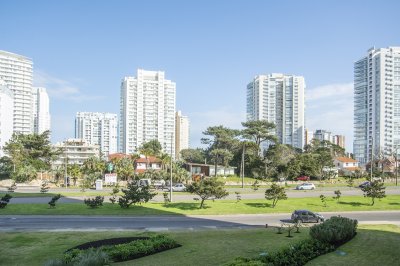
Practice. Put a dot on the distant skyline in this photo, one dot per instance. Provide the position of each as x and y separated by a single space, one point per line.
81 51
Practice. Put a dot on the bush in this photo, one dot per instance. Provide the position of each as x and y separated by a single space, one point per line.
121 252
91 257
5 200
53 200
94 202
335 231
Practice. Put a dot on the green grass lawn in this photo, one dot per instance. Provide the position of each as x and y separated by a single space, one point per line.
373 245
198 247
256 206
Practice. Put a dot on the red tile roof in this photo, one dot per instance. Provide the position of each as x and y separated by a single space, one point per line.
150 159
346 160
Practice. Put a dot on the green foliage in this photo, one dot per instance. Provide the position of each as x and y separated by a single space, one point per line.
375 190
238 196
139 248
275 193
90 257
106 254
5 200
135 194
259 131
13 187
44 187
29 153
338 194
350 180
335 231
166 198
323 200
94 202
124 168
54 200
255 186
192 155
151 148
114 193
208 188
297 254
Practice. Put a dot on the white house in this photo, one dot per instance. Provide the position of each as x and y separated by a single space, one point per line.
346 163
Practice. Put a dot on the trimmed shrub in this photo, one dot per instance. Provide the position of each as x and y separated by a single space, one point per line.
90 257
336 230
5 200
53 200
94 202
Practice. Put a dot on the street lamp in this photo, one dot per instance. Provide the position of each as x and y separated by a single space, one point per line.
170 178
396 162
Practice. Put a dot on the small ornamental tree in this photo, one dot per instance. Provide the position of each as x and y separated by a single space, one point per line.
207 189
255 185
44 187
323 199
338 194
13 187
135 194
375 190
53 200
114 193
275 193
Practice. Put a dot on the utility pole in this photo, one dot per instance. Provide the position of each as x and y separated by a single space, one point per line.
170 178
396 162
242 166
372 158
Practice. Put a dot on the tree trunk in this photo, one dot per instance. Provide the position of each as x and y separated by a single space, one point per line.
202 203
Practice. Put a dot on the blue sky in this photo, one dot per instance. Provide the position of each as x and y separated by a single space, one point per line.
211 49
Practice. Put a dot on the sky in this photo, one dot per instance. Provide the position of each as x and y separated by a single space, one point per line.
81 51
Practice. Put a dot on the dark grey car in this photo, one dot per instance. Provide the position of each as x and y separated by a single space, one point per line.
306 216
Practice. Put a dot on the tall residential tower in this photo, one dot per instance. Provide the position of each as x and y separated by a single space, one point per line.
16 71
377 104
147 111
181 133
6 115
279 98
41 110
98 129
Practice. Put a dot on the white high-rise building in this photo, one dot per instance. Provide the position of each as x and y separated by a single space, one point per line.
41 110
98 129
181 133
279 98
16 71
377 104
6 115
147 111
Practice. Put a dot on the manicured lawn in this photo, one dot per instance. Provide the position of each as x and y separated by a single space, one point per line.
373 245
256 206
198 247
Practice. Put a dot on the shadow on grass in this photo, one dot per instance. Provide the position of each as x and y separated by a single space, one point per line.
259 205
355 204
394 203
186 206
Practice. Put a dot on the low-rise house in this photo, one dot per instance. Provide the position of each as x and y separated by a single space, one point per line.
346 165
147 163
200 170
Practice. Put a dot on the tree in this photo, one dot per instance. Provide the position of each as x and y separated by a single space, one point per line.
25 173
208 188
75 172
151 148
135 194
259 131
375 190
275 193
192 155
124 168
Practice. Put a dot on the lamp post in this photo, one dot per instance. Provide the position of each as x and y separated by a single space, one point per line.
372 158
396 162
170 178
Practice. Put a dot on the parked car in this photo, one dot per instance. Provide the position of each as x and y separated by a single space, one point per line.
303 178
306 216
364 184
159 184
306 186
178 187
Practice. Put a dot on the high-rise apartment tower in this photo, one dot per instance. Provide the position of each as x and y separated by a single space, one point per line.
279 98
147 111
377 104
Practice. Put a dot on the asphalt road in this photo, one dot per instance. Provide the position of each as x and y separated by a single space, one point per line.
165 223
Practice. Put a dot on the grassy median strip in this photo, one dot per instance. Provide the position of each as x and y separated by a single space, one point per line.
256 206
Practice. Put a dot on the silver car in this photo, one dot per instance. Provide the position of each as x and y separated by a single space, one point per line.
306 216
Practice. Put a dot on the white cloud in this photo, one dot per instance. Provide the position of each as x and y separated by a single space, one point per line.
61 89
330 107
